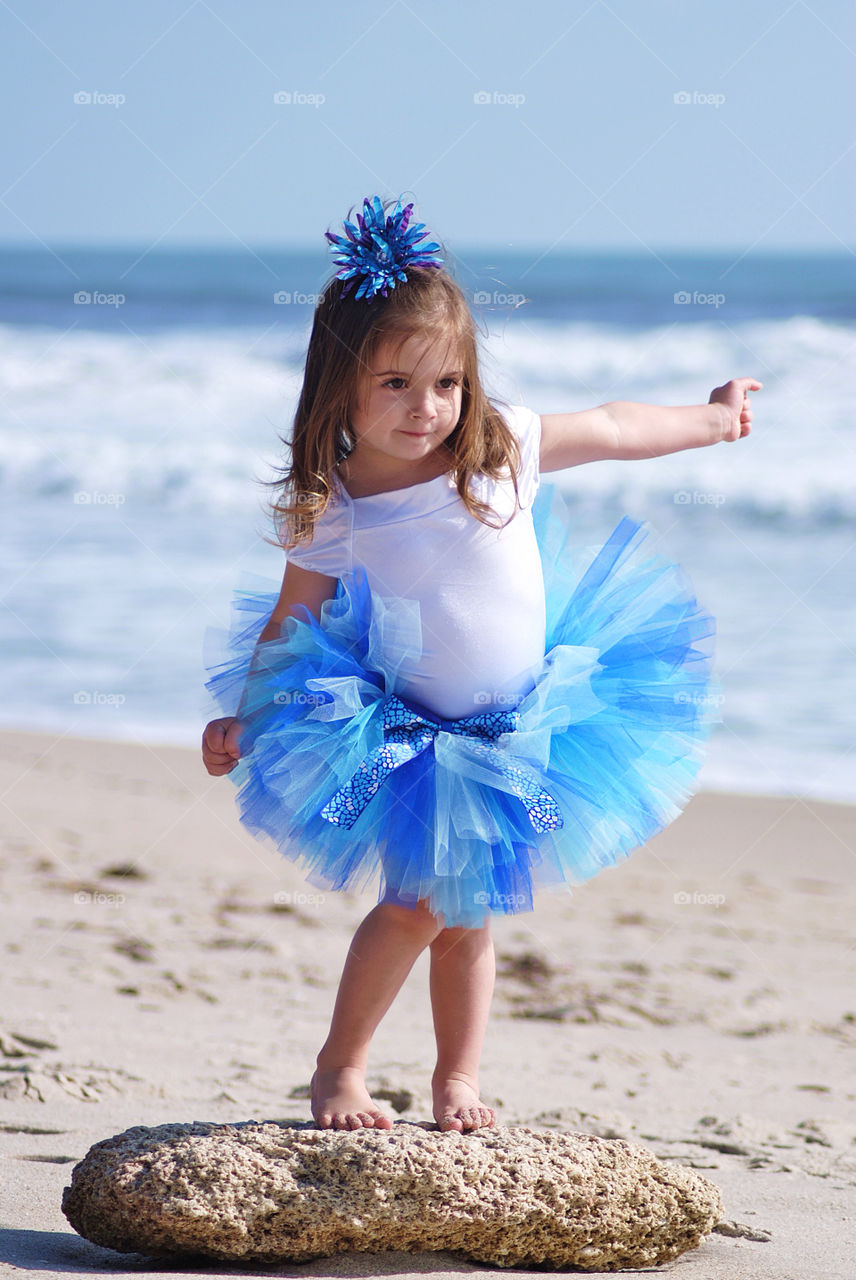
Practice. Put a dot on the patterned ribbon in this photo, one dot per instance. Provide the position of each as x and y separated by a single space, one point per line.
406 734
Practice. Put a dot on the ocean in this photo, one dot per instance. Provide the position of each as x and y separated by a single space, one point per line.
144 395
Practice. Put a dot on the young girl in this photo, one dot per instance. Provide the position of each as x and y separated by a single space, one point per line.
445 692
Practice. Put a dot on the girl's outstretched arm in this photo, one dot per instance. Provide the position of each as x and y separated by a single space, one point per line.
626 430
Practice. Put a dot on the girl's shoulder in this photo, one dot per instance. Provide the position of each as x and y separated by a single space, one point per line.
525 426
524 423
329 551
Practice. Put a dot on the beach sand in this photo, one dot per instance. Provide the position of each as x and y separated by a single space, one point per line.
160 965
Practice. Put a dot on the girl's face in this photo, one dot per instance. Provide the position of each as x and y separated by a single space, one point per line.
409 402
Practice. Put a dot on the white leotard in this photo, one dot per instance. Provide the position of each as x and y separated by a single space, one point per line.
480 590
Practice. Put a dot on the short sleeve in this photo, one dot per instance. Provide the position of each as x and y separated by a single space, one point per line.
526 426
330 551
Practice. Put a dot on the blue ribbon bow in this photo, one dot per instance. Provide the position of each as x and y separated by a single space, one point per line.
406 733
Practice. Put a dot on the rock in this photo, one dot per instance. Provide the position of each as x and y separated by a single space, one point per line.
288 1192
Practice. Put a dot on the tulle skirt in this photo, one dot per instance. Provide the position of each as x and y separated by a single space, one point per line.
357 783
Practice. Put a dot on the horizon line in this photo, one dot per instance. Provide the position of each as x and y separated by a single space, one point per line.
135 246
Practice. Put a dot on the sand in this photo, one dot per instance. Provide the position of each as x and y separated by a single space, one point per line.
160 965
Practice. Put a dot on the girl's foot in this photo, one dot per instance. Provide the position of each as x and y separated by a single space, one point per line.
457 1106
340 1100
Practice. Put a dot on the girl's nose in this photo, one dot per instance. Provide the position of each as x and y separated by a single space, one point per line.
422 405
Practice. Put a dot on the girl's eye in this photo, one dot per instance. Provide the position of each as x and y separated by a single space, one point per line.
397 384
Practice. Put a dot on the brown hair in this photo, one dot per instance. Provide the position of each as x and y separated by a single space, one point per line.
345 337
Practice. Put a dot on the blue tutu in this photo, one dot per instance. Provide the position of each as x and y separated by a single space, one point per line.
353 780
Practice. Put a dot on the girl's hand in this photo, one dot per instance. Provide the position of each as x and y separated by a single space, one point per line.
735 396
220 750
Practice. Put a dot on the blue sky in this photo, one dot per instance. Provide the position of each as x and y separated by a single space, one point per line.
546 124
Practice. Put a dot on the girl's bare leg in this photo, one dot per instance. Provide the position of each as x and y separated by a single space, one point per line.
462 975
381 955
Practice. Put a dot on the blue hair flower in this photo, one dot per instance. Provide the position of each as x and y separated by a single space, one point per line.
378 248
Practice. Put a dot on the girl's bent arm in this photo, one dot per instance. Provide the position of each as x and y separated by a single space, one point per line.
221 739
299 587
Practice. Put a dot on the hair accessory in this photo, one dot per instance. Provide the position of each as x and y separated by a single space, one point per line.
378 248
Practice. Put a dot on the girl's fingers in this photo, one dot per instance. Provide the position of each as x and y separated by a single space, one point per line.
231 743
220 743
218 759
